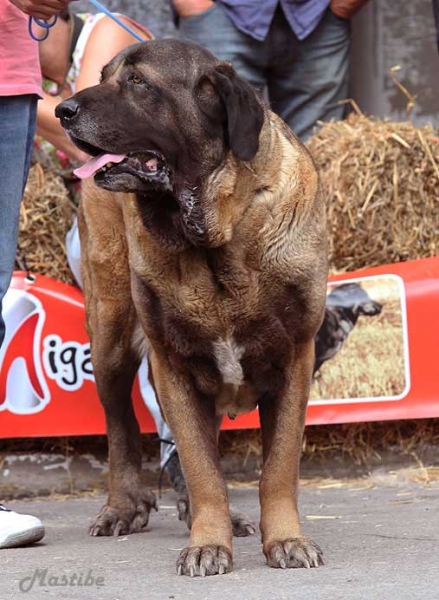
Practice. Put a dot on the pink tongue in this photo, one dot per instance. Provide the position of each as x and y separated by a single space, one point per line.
96 163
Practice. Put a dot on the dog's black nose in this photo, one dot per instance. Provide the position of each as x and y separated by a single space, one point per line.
67 110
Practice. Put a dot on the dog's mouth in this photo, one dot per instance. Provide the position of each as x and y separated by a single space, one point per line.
145 165
129 172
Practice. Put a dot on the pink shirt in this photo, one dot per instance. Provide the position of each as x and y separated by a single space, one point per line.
19 64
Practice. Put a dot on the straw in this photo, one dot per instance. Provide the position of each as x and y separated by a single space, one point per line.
381 180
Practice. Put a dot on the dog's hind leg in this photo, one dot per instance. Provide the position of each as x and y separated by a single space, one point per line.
242 525
112 322
282 422
115 364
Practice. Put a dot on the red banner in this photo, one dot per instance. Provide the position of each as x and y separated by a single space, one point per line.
376 355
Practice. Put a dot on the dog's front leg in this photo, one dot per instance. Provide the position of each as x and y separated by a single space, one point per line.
282 422
193 423
242 526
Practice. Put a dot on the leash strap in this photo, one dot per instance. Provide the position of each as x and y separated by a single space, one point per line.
116 19
48 24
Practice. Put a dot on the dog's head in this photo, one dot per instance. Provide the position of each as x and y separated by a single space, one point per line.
164 115
352 297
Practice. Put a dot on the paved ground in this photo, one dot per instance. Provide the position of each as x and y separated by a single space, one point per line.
381 542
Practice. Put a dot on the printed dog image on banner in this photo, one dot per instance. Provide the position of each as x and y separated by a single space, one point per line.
362 347
344 304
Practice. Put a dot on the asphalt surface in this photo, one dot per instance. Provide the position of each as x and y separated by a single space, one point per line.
380 542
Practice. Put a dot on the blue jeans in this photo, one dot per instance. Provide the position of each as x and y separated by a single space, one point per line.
304 79
17 127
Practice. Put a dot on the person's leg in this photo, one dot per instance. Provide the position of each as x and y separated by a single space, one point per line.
17 128
308 78
169 461
214 30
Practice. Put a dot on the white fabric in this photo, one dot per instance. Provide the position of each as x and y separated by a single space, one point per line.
73 251
90 21
151 403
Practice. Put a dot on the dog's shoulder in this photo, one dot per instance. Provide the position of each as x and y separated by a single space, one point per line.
290 206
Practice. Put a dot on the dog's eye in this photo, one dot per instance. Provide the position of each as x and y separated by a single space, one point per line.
138 82
136 79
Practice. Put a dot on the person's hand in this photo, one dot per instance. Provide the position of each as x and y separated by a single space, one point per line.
346 9
41 9
190 8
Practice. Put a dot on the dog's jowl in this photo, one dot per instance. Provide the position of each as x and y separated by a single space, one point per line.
203 236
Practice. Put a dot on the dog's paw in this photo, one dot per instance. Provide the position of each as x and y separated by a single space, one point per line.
241 524
125 519
294 554
183 510
204 560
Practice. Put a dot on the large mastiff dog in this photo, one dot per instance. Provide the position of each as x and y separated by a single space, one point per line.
204 245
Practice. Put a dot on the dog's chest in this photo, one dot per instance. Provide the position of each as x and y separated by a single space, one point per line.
218 322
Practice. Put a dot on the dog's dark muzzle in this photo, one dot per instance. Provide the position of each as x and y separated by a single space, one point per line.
67 111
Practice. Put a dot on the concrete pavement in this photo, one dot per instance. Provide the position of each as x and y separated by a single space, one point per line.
380 542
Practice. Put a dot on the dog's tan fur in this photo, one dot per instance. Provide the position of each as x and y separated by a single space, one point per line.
229 325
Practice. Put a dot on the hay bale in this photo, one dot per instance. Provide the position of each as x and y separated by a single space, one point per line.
382 184
46 215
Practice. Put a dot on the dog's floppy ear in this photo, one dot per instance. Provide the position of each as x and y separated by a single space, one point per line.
244 113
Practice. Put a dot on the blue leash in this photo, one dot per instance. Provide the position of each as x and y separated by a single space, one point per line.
48 24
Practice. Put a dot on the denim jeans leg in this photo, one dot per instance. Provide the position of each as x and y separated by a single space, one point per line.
307 87
213 30
17 128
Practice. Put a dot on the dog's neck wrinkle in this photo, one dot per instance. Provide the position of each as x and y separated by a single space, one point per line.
161 218
175 222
